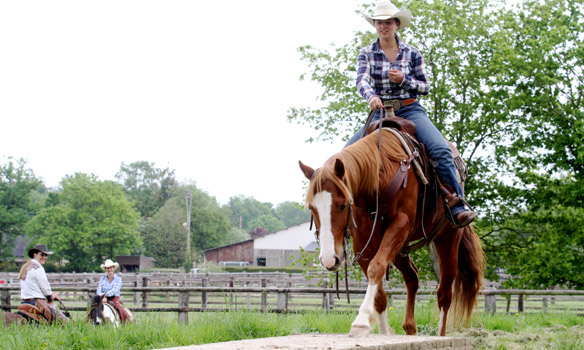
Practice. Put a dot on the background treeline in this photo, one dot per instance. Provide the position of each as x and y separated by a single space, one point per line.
86 220
508 89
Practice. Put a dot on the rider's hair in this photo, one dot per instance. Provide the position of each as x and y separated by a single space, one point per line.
24 270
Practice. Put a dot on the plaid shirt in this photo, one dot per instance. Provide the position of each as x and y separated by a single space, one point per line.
373 73
110 289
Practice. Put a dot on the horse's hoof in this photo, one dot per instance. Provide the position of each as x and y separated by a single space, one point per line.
359 331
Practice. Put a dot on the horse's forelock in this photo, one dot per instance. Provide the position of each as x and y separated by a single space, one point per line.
323 174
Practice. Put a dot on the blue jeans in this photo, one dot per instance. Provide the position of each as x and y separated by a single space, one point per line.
436 146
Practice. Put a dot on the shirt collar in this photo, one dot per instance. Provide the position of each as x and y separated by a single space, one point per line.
376 48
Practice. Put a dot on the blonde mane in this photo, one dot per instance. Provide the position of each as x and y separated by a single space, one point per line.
364 168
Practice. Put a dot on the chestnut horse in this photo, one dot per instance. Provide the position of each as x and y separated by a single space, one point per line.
343 193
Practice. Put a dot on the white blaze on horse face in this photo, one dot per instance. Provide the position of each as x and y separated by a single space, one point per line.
322 203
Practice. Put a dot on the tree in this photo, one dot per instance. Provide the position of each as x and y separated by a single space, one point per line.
18 186
291 214
249 211
90 220
165 234
148 186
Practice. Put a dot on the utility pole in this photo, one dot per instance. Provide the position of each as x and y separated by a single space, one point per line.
189 201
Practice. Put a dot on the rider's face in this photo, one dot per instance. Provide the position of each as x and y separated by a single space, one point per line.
109 270
40 257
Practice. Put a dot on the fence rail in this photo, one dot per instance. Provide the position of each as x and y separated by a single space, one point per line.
230 298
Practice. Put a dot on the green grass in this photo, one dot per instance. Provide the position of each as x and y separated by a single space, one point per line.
159 330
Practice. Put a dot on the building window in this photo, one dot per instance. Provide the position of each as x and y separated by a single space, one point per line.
261 261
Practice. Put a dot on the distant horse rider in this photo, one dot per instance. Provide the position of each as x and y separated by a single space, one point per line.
34 285
109 288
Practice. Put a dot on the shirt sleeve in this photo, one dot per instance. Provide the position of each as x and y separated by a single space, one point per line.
364 80
42 281
100 287
418 80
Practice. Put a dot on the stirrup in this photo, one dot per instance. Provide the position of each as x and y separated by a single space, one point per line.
446 203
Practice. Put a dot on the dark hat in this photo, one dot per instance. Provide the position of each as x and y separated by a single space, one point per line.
39 248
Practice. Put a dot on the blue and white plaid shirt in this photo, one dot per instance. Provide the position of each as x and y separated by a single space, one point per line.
373 73
110 289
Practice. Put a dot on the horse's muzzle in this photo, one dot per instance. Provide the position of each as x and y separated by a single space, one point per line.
332 267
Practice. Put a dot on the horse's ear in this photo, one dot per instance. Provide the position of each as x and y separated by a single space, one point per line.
308 171
339 168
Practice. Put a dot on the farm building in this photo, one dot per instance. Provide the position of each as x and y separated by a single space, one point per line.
134 263
270 250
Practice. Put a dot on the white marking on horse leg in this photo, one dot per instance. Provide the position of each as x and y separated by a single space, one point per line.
384 327
362 324
322 203
441 324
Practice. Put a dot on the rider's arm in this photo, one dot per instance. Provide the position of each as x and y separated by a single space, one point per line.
364 80
418 79
101 286
43 282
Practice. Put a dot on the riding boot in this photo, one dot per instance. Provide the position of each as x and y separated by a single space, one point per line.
451 201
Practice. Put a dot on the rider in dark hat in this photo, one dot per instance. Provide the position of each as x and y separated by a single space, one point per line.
34 285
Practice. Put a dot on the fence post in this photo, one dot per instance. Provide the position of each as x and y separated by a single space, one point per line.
264 305
544 302
204 294
183 303
520 306
231 294
136 294
5 299
490 303
144 294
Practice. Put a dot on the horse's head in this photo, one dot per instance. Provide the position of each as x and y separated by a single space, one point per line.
95 314
330 202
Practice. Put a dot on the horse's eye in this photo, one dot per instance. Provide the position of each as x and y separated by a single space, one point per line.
343 206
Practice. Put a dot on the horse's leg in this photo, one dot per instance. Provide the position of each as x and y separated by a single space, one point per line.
446 245
380 304
394 238
410 275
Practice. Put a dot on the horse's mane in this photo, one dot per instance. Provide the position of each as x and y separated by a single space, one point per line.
364 168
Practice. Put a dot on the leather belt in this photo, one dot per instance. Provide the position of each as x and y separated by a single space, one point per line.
31 299
397 104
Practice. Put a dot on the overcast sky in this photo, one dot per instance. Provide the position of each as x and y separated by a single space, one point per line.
202 87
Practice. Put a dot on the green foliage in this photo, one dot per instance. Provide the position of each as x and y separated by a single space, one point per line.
92 220
148 186
292 213
165 234
19 198
248 211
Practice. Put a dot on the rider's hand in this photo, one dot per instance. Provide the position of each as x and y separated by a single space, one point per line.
396 76
55 296
375 103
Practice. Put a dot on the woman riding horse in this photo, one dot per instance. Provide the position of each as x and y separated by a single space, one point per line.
34 286
109 288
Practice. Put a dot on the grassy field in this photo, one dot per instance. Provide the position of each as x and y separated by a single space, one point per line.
157 330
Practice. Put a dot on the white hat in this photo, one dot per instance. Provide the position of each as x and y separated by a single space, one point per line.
384 9
109 263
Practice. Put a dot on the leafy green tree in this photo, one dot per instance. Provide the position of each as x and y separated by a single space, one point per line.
292 213
18 190
249 211
88 221
148 186
165 233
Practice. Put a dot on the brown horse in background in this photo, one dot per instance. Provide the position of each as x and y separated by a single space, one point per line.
343 193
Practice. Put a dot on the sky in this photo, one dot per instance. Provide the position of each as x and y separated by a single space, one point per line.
201 87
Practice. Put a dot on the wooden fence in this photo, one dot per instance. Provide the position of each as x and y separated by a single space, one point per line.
275 292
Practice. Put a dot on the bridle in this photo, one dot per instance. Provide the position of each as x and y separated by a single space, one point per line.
346 237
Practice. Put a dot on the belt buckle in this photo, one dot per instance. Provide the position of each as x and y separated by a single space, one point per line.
395 104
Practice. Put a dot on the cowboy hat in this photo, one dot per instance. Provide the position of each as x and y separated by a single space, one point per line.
38 248
384 9
109 263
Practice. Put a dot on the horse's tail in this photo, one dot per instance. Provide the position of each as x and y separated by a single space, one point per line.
469 279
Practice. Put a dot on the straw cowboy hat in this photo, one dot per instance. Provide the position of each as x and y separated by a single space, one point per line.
109 263
384 9
39 248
